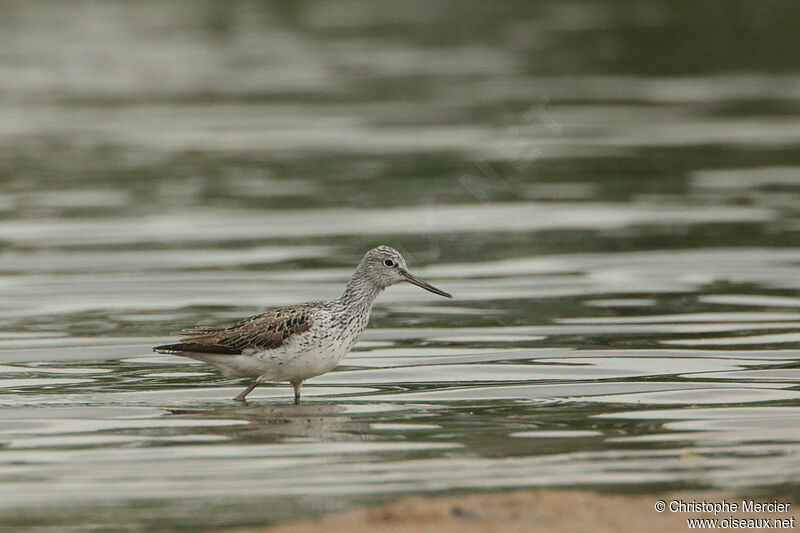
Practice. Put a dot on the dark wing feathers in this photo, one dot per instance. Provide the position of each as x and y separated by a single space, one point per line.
265 331
195 347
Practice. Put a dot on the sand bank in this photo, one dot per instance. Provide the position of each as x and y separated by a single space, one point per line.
546 511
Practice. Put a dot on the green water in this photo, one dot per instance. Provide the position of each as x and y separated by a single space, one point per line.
610 190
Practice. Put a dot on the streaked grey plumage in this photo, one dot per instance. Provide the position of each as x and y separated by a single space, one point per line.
264 331
302 341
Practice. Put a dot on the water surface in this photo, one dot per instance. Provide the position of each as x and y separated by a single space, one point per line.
619 231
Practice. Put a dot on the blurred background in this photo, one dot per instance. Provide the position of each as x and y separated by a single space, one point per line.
610 189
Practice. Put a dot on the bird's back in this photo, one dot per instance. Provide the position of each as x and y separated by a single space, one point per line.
265 331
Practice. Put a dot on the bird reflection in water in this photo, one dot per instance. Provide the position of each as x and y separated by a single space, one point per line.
319 421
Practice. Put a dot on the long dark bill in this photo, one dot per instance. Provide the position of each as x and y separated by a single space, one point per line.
411 278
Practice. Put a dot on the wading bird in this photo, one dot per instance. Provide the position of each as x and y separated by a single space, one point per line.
298 342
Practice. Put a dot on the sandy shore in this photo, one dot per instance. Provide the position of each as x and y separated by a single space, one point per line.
536 510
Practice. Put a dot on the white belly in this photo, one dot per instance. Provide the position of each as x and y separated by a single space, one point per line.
303 357
302 366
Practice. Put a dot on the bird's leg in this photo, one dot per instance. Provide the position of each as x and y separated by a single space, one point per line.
296 385
248 390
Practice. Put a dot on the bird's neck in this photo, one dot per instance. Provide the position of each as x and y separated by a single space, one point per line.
359 293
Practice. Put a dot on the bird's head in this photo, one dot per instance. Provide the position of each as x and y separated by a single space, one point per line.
384 266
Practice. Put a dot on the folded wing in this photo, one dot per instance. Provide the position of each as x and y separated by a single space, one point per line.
261 332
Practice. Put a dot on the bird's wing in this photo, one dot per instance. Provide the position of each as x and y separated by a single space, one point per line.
265 331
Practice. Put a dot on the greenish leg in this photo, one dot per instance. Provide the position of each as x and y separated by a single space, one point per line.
248 390
297 385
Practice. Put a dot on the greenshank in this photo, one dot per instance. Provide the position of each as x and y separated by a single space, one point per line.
298 342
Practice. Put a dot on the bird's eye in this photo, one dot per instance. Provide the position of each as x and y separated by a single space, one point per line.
389 263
